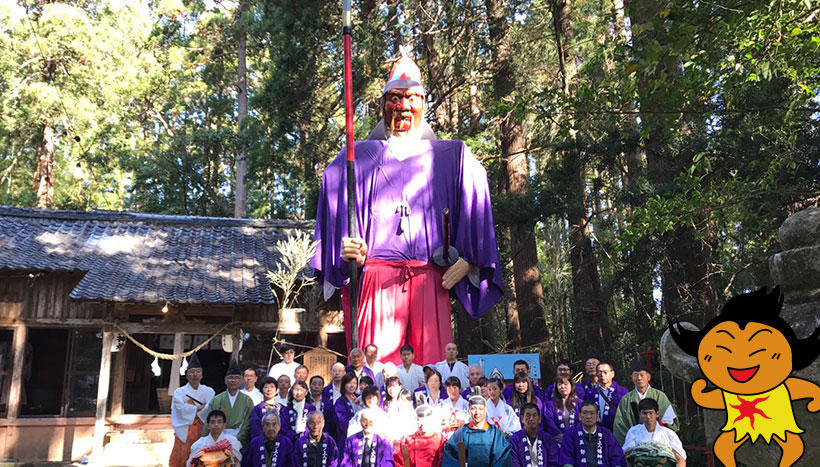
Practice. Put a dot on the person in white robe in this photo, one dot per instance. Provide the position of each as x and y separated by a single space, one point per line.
401 416
189 407
455 409
249 387
410 374
499 413
450 366
287 366
371 360
650 431
216 427
370 399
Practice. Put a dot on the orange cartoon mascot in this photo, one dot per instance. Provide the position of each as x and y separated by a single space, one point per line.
749 353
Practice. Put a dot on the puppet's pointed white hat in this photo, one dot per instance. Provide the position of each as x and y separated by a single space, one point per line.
405 73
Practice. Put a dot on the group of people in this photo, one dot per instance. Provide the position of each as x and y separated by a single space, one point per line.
373 414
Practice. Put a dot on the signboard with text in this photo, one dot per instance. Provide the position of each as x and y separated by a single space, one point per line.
319 362
501 365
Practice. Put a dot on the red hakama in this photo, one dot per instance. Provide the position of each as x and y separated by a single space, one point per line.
402 302
181 451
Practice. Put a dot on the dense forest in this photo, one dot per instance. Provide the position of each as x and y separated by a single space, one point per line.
642 154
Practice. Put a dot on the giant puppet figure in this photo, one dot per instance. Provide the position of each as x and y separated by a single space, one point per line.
404 179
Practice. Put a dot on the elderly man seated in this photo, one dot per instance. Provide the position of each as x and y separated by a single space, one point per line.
316 448
272 448
367 448
650 442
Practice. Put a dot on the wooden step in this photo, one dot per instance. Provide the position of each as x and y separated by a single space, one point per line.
139 448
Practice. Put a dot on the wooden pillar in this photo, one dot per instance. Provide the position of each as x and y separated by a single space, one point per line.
118 384
16 389
102 397
173 382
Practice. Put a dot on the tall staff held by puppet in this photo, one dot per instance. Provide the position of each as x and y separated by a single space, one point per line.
347 32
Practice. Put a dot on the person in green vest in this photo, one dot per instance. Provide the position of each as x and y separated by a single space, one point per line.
236 405
628 415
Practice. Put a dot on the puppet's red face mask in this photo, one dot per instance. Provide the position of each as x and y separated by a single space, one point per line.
403 110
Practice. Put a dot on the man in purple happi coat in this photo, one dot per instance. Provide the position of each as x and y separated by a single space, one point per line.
590 373
366 448
259 412
271 448
589 444
357 366
330 393
403 182
316 448
531 446
607 393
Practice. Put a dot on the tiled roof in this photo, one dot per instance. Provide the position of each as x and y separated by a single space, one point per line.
132 257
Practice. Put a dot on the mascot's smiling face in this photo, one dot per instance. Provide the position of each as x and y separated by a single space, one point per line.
749 360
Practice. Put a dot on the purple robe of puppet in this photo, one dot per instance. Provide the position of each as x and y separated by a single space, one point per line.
256 421
449 178
290 419
330 453
551 421
606 412
521 452
354 450
282 455
608 451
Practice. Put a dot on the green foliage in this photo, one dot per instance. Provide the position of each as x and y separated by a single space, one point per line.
295 253
73 70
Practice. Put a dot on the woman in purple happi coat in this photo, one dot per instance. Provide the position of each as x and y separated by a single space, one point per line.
269 391
433 390
588 444
367 444
562 410
298 407
532 438
271 448
523 393
345 407
316 448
